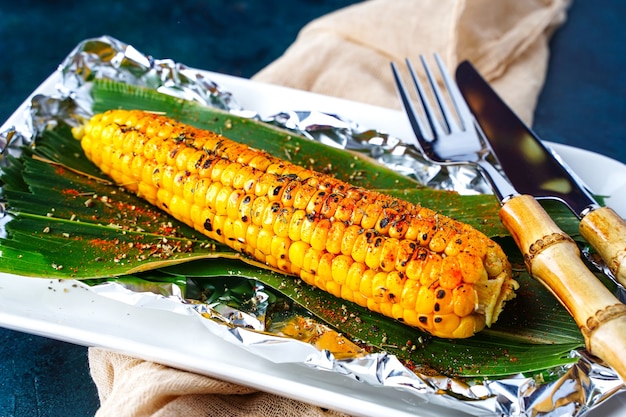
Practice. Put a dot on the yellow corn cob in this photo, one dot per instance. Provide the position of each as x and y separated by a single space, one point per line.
400 259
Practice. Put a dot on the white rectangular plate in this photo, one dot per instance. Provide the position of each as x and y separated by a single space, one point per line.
64 311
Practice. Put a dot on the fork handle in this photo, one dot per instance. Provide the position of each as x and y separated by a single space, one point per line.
605 230
553 258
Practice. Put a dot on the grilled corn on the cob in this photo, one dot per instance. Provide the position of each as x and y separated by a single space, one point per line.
400 259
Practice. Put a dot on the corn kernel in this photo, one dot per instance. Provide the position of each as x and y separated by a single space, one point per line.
335 237
443 301
264 241
349 237
464 300
228 175
445 324
361 246
307 228
221 200
270 215
397 312
386 308
379 287
410 293
355 276
280 251
425 300
371 214
325 267
283 220
297 251
233 204
258 208
311 261
366 284
451 275
295 225
472 268
340 267
320 234
344 211
388 254
410 317
374 252
333 288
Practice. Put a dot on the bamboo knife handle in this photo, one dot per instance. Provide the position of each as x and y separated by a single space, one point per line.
605 230
553 258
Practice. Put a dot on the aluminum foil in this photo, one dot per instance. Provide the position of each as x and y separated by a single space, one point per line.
333 130
578 389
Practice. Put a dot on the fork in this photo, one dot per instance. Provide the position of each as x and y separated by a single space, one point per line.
449 141
450 137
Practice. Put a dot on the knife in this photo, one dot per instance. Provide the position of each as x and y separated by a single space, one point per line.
534 170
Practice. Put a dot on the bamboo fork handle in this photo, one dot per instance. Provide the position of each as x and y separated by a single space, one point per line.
605 230
553 258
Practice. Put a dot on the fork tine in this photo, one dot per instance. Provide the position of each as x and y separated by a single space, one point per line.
435 128
460 106
407 103
438 127
449 119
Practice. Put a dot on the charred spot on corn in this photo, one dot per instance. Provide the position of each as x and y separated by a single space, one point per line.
390 256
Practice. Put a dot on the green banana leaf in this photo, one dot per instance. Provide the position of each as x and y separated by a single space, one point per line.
523 341
69 221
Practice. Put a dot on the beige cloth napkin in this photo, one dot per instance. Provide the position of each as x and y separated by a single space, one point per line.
347 54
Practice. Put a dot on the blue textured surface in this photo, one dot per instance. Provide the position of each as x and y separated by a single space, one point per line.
41 377
230 36
583 104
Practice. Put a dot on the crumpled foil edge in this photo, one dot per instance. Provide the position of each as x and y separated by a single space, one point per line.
582 386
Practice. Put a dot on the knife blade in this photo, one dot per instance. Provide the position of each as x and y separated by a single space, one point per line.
533 169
